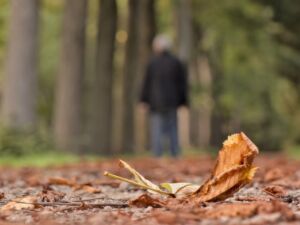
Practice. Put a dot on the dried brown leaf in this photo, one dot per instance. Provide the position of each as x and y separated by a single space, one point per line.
49 195
61 181
88 188
276 191
2 195
232 171
145 201
27 202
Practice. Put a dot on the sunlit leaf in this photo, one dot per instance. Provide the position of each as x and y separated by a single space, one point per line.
232 171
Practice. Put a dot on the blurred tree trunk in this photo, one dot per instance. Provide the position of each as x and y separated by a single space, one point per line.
19 96
146 29
101 112
218 120
67 114
130 76
200 118
185 52
196 126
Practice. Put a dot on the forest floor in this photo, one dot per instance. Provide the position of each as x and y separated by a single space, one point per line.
80 194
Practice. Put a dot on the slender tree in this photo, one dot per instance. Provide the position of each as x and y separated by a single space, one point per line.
191 52
130 75
101 112
67 115
19 96
185 52
147 28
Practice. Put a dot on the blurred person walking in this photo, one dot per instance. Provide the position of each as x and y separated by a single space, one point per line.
164 90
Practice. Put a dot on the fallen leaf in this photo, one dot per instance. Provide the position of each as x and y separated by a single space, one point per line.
275 191
232 171
180 189
27 202
61 181
2 195
88 188
49 195
138 177
145 201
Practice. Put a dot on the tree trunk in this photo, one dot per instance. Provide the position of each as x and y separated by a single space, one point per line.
130 77
200 119
19 97
101 113
185 52
218 121
146 28
197 126
67 115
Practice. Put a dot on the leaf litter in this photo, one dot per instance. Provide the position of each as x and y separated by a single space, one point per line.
180 191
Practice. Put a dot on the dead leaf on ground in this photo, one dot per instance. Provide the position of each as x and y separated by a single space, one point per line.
232 171
87 187
2 195
61 181
145 201
180 189
27 202
49 195
276 191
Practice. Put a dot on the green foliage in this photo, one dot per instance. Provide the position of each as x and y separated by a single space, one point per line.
3 33
17 143
39 159
50 30
250 93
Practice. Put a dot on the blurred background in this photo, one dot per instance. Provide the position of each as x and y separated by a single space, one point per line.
70 73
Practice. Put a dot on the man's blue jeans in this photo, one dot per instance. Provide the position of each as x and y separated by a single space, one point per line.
164 124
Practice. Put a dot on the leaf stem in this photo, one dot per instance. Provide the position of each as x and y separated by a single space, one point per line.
136 183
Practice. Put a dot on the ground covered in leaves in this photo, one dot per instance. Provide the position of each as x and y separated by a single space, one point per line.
80 194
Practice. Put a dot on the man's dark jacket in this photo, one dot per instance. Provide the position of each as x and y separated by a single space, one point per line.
165 83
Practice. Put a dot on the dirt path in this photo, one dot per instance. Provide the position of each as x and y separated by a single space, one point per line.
80 194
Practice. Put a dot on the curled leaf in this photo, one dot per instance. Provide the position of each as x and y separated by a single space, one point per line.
27 202
145 201
232 171
180 189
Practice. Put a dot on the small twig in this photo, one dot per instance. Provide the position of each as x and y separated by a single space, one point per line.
100 205
92 199
136 184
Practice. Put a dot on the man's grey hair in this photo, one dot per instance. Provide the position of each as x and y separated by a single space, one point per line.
161 43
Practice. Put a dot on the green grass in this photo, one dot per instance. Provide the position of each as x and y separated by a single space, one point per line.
293 152
60 158
38 159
